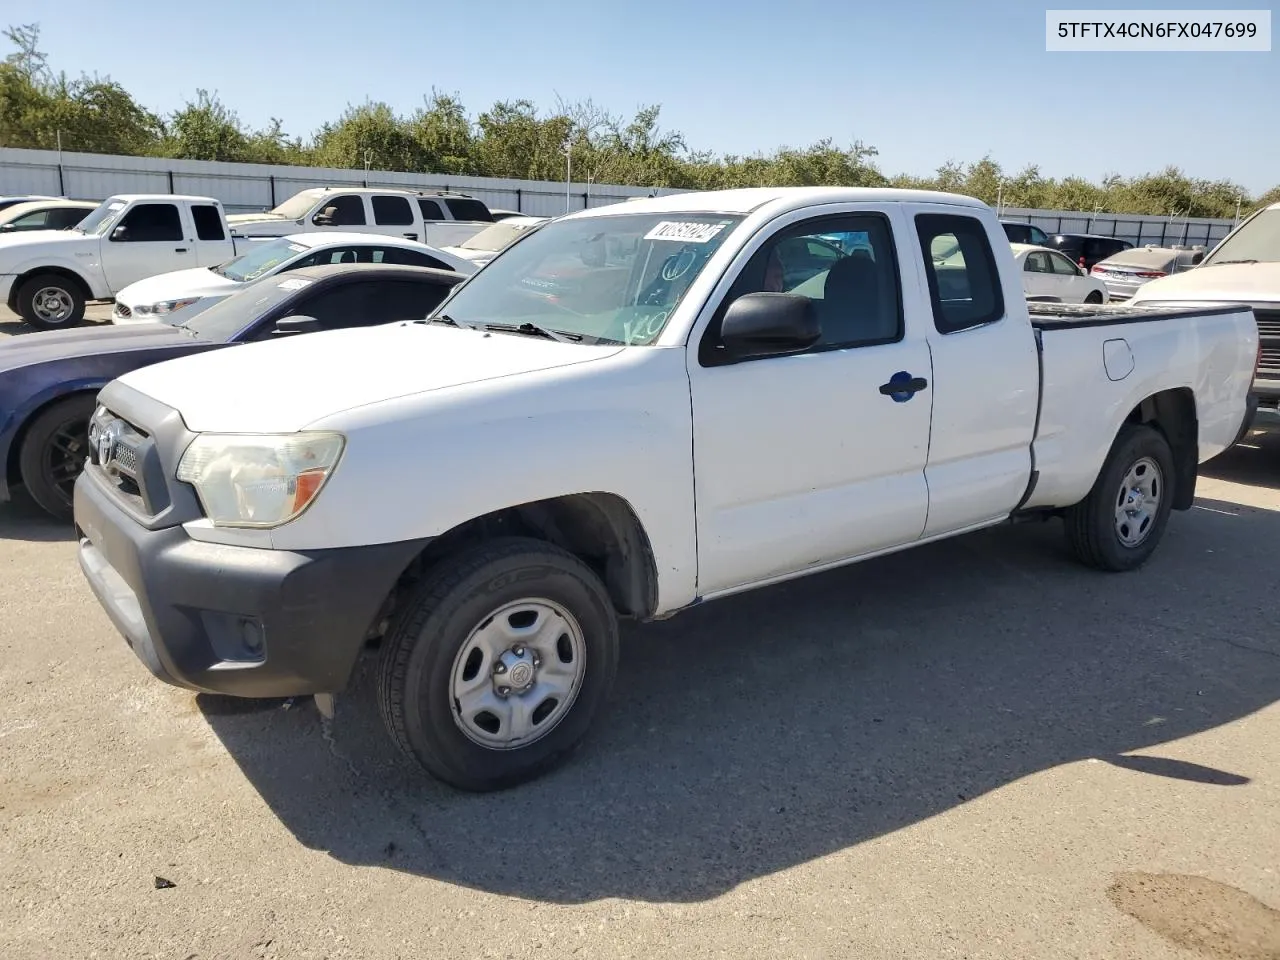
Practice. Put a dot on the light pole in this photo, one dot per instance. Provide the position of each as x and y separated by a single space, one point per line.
568 174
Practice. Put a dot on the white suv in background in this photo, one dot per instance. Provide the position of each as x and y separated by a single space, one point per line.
175 297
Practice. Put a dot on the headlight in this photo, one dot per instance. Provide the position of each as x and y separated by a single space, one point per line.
258 480
163 307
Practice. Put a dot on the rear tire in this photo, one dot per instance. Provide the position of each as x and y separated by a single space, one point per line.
50 301
1093 297
506 615
54 447
1120 523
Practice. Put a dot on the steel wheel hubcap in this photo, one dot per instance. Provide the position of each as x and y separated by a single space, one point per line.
52 304
518 674
1138 502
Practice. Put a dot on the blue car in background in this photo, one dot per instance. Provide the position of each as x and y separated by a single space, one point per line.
49 381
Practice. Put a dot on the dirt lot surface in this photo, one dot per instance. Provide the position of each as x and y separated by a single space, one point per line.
975 749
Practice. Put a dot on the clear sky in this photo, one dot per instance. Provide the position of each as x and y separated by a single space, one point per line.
922 81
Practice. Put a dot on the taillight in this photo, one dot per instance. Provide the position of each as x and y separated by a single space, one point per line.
1152 275
1097 269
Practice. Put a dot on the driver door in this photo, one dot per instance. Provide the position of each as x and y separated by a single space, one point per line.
803 459
149 240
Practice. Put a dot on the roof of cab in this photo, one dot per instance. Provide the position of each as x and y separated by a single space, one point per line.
131 197
748 200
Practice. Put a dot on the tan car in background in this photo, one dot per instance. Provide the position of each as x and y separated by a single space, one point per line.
1124 272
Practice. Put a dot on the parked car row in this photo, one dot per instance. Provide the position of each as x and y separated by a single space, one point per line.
48 278
626 412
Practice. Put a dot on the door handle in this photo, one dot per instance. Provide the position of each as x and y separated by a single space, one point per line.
902 386
179 249
409 236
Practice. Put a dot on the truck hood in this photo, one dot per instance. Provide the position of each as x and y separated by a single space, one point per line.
252 217
1232 282
34 348
195 282
280 386
20 247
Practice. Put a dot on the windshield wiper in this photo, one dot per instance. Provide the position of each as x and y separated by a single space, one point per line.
445 318
533 330
1220 263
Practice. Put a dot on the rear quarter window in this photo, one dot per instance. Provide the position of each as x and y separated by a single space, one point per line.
464 208
964 283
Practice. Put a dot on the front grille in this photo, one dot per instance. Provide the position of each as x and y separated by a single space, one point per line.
122 311
1270 359
1268 324
115 448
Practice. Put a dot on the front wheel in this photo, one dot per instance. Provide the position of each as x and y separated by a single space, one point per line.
498 665
1119 524
54 448
50 302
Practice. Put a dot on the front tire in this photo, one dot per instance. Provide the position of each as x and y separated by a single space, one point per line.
50 302
499 663
54 447
1120 523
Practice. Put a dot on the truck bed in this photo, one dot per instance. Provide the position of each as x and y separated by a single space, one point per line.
1060 316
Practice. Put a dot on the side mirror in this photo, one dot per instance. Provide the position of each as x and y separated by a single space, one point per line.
120 233
322 220
296 324
769 324
7 227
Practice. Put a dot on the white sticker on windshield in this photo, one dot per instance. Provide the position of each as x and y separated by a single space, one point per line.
118 205
684 231
294 283
296 248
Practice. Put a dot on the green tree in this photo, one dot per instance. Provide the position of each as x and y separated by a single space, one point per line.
372 131
206 130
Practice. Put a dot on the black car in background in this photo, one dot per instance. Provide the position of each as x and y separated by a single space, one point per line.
49 381
1086 249
1019 232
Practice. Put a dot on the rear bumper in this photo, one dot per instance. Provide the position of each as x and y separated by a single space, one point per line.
6 287
233 620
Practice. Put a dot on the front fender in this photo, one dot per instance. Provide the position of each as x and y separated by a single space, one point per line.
88 269
19 408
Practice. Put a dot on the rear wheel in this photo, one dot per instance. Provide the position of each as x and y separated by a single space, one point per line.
1093 297
50 302
54 448
499 664
1120 523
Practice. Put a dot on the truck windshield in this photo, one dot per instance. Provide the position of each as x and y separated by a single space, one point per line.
1256 241
609 279
298 206
100 220
258 259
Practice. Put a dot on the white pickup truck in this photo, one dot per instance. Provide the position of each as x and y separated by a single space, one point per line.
438 219
1244 269
631 410
47 277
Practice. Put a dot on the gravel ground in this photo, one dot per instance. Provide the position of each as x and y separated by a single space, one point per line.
974 749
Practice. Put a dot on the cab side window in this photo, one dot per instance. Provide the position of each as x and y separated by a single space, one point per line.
846 266
1037 263
152 222
343 211
1061 265
964 283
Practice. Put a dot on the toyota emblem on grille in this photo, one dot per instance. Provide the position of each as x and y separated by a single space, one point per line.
106 441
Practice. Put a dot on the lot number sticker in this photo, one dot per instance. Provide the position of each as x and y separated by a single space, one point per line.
684 231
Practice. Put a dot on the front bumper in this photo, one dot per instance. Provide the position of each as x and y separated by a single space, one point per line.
6 287
232 620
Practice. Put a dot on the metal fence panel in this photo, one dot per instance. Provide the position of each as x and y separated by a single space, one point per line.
250 187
